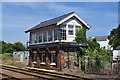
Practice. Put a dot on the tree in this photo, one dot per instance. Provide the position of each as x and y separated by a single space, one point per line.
3 46
81 36
18 46
9 47
93 45
80 39
114 37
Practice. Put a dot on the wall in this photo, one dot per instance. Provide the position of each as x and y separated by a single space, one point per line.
115 54
72 21
105 44
70 60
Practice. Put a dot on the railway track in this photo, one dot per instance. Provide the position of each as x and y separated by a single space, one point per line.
9 77
16 70
42 74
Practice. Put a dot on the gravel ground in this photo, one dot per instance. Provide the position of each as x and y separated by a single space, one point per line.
92 76
17 75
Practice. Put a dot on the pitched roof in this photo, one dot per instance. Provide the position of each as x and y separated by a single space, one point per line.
98 38
117 48
50 22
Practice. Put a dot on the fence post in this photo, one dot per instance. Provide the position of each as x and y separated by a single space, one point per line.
86 64
111 61
79 63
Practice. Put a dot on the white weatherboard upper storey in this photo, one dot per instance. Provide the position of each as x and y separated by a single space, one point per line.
74 22
61 29
70 16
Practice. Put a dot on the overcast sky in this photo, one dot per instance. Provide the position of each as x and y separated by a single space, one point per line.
20 16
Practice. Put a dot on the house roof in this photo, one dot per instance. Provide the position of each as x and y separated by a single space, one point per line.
117 48
55 21
98 38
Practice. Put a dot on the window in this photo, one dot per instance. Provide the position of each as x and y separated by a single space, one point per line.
37 37
40 37
63 32
43 57
52 58
33 38
70 30
50 36
44 36
77 28
34 57
55 35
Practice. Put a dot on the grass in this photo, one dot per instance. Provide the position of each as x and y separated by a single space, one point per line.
7 59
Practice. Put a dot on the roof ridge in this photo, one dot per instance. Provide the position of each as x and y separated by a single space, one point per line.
58 17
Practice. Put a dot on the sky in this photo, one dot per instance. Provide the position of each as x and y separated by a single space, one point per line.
17 17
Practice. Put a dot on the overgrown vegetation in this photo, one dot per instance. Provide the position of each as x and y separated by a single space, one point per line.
97 57
7 53
114 37
7 59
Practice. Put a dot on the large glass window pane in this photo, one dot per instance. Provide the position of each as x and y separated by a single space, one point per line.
40 37
63 32
34 38
44 36
55 35
70 30
50 36
37 37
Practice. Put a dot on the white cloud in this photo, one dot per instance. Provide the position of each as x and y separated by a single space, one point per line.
64 8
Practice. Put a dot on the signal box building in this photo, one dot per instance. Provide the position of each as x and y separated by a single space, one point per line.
52 42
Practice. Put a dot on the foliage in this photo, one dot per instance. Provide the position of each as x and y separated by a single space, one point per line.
18 46
93 45
7 59
81 36
9 47
114 37
98 57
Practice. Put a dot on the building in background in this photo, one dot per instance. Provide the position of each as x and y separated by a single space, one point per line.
116 54
103 41
52 42
22 56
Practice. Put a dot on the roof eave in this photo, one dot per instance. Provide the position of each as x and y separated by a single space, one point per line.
39 28
77 16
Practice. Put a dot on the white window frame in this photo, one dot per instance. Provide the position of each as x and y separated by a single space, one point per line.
52 60
42 57
70 29
63 34
42 62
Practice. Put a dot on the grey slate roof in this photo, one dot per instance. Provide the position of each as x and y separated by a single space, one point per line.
117 48
98 38
49 22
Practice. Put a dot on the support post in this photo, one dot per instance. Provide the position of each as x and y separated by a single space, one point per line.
111 61
79 63
86 64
